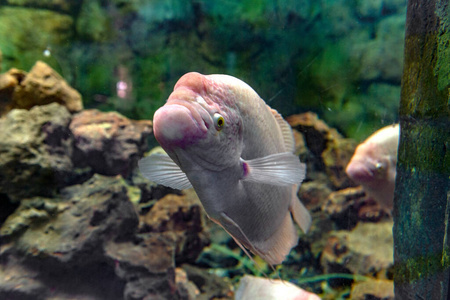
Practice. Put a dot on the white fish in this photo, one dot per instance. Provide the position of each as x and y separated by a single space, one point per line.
374 165
251 288
237 153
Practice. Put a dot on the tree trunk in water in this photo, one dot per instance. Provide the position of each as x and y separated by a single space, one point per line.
422 197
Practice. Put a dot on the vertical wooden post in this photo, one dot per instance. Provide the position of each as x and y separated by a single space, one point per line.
422 203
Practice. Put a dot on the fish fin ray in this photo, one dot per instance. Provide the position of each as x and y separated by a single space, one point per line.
235 226
299 212
286 131
279 244
282 169
272 250
161 169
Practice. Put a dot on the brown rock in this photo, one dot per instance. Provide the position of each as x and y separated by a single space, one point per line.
374 290
146 264
335 157
54 241
313 194
35 151
366 250
186 288
348 206
326 149
210 285
313 129
182 216
43 85
8 83
109 143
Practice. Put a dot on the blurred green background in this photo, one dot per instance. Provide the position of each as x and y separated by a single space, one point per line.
341 59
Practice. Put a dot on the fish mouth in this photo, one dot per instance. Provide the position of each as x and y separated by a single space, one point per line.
360 171
179 124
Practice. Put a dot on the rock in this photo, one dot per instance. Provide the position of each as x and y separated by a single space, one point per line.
88 233
182 216
313 194
43 85
366 250
58 240
315 131
35 151
108 143
187 289
326 150
348 206
335 157
67 229
146 265
211 286
374 290
8 83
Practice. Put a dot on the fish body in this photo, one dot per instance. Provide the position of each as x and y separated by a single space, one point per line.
251 287
237 153
373 165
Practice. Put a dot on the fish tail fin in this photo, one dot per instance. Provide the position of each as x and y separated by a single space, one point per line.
277 247
300 213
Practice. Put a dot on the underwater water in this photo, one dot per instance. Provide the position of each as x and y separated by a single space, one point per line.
80 84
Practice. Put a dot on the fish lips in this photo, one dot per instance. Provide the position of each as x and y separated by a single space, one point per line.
360 171
175 125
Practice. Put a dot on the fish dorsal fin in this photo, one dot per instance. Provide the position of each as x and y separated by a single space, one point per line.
286 131
161 169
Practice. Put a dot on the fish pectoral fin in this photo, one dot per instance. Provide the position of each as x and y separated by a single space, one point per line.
161 169
281 169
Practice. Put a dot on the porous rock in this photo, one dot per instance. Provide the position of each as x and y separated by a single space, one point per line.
210 285
366 250
109 143
8 83
180 215
335 157
315 131
326 149
84 244
43 85
348 206
35 151
373 289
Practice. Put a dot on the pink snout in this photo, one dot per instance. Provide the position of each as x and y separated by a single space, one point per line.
174 126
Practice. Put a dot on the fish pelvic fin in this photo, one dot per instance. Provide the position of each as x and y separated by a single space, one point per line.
282 169
161 169
299 212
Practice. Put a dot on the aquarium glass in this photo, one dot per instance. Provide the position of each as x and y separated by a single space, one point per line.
80 83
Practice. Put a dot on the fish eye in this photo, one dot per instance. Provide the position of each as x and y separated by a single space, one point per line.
379 167
219 121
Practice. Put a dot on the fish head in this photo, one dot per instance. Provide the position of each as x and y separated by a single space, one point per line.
199 126
366 166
